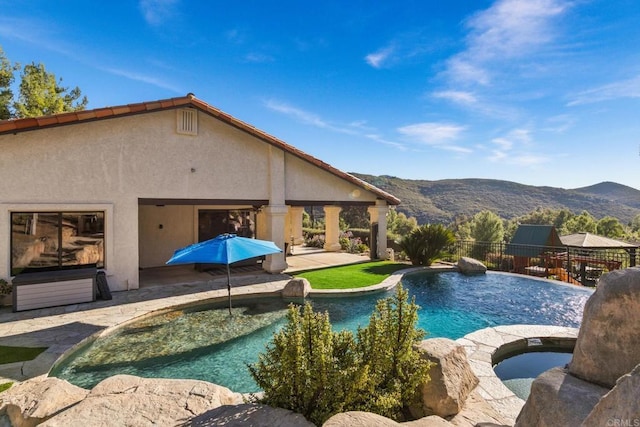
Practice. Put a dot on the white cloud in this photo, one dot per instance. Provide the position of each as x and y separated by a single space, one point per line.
434 134
157 12
377 59
508 29
457 96
629 88
144 78
258 58
355 128
515 148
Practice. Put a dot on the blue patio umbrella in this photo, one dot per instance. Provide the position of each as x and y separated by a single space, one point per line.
224 249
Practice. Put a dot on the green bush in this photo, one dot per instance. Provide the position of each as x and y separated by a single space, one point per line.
427 243
309 369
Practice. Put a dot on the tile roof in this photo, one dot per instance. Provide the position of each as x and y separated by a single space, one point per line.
62 119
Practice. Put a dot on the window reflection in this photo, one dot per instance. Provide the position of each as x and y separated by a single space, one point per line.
42 241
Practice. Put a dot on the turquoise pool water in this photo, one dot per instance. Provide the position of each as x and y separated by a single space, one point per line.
204 343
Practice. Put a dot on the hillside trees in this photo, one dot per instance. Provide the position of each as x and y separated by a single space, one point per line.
610 227
583 223
486 226
39 92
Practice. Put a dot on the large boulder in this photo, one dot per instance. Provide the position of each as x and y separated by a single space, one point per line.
368 419
468 265
126 400
33 401
248 414
558 398
609 337
296 288
452 378
622 403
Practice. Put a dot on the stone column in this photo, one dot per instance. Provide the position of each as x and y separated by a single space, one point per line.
274 230
378 213
295 213
332 228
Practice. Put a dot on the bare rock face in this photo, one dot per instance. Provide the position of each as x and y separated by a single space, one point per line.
249 415
296 288
368 419
559 399
31 402
126 400
359 419
452 379
622 403
471 266
609 337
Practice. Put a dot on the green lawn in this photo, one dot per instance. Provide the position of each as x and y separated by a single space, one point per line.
5 386
351 276
19 354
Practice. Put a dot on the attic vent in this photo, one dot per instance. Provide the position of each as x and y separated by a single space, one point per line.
187 123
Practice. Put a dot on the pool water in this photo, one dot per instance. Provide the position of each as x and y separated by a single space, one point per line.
518 372
205 343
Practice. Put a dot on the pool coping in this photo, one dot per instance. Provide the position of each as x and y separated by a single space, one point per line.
483 344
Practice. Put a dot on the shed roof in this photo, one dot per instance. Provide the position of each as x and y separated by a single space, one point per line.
588 240
63 119
536 237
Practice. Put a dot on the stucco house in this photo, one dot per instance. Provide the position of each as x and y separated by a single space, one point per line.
122 187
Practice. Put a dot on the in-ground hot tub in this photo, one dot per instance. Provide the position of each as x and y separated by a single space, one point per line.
518 363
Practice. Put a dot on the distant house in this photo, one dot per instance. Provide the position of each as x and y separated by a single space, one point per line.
122 187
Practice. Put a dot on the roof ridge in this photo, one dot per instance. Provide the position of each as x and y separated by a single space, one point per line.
73 117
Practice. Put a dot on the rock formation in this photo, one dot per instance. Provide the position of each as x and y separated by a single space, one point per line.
471 266
602 383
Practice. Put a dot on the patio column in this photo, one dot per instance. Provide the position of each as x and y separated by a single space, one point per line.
378 214
274 226
295 213
332 228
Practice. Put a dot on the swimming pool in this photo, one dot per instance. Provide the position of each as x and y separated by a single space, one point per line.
204 343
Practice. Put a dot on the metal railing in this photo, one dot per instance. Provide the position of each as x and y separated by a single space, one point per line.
568 264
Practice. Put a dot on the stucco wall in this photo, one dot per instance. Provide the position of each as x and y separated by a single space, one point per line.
163 229
114 163
309 182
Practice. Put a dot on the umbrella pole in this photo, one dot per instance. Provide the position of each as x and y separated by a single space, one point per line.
229 287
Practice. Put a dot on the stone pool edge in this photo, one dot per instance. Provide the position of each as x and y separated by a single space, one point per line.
482 344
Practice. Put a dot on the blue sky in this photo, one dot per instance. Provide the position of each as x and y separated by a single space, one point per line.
540 92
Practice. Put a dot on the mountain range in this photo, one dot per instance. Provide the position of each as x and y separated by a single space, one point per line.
441 201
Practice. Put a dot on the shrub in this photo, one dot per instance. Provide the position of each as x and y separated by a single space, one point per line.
312 370
351 244
426 244
308 368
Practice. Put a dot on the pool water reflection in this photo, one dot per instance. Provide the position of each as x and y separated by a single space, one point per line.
204 343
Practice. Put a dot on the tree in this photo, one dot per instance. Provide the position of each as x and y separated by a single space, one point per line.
355 217
398 224
486 226
610 227
583 223
6 80
40 93
635 224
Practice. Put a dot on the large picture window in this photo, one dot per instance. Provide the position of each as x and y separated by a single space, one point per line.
47 241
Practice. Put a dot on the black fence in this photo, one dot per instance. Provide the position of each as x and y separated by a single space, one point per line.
580 266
